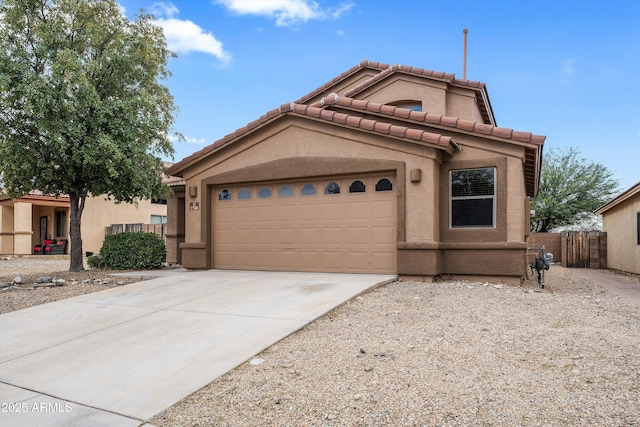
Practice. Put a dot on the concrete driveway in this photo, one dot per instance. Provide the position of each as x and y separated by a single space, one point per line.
120 356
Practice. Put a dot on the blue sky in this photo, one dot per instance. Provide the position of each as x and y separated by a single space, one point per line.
569 70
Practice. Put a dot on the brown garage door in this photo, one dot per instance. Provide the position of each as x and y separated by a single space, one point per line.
343 224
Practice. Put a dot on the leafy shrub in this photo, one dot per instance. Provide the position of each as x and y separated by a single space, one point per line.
133 251
95 261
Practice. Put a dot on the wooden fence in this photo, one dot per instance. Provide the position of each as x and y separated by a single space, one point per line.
159 229
584 249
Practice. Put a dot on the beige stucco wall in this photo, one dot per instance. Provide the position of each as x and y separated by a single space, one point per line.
432 95
100 213
620 223
313 140
6 229
297 138
463 104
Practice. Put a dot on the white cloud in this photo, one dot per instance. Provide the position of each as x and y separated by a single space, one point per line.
164 9
568 66
184 36
285 12
187 139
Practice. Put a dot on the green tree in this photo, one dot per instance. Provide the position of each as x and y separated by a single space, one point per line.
82 109
571 188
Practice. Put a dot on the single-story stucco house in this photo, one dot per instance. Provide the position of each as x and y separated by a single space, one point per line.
384 169
621 221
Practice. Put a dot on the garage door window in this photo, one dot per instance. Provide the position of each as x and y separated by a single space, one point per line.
264 193
357 187
332 188
245 193
224 195
286 191
308 190
384 185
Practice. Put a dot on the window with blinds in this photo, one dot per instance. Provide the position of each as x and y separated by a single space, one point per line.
473 198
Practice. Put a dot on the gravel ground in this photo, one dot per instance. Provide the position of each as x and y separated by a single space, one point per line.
24 294
421 354
446 354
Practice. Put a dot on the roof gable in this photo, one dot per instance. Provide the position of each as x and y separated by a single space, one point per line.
634 191
416 127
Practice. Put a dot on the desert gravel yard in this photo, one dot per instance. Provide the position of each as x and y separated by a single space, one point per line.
425 354
448 354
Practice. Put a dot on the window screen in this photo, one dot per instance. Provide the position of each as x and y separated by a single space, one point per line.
473 198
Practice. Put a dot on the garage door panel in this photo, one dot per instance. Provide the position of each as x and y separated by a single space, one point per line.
333 211
333 261
382 235
285 213
383 209
264 260
243 236
243 214
333 235
308 211
224 237
264 236
309 236
264 213
345 232
358 260
358 235
357 211
383 261
309 260
285 236
286 259
224 214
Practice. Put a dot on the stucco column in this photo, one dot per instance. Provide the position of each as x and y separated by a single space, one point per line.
6 230
22 228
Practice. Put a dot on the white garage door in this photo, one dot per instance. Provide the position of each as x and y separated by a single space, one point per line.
343 224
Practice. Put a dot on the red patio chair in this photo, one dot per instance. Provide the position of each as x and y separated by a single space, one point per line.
39 249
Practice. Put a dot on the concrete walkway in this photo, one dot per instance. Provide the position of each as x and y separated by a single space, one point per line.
120 356
627 288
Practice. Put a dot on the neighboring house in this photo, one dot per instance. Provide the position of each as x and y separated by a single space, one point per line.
28 220
384 169
621 221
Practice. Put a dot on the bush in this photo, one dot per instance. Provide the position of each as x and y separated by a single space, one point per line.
133 251
95 261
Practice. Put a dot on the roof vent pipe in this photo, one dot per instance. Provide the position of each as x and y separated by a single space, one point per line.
464 55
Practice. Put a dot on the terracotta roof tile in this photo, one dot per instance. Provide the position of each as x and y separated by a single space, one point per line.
521 136
364 64
449 121
388 109
452 122
483 128
467 125
399 131
367 124
433 118
502 132
381 127
353 121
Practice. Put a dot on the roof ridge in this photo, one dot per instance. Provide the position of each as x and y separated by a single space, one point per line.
437 119
365 63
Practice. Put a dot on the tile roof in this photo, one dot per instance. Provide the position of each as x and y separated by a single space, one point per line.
325 115
364 64
386 70
430 119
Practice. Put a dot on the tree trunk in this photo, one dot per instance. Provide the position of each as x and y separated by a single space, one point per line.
77 206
